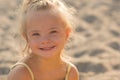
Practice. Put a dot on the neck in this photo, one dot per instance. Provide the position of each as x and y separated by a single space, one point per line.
46 63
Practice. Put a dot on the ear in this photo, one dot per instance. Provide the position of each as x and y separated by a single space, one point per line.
25 36
68 31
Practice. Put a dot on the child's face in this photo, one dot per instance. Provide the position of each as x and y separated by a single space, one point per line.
46 33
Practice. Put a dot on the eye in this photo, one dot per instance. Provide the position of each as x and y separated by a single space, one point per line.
35 34
55 31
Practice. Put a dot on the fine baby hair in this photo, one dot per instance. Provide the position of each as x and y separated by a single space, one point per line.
37 5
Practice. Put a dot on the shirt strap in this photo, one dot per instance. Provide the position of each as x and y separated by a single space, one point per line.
27 67
68 71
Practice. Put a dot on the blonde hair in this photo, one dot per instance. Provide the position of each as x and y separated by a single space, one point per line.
37 5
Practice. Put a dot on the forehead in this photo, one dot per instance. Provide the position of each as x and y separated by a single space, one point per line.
45 17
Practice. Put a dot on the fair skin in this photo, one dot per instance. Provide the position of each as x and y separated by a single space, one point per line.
46 35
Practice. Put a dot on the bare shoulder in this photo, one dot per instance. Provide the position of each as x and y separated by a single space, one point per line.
74 73
19 73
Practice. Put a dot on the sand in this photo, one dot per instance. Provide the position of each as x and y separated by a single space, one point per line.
94 48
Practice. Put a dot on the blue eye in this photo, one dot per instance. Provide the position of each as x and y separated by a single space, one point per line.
54 31
35 34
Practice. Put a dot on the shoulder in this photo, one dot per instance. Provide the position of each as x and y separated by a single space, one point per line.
74 73
19 73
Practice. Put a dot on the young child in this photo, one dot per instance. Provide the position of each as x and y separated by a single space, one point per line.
46 29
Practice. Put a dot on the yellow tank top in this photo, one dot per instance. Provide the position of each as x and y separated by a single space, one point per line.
31 73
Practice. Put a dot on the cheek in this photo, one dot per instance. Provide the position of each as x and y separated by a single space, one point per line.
61 38
32 42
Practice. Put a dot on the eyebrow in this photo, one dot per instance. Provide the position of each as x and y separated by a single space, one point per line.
34 31
39 30
53 28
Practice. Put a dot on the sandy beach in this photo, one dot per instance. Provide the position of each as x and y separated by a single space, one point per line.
94 47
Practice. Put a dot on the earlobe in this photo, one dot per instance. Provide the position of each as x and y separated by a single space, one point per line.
68 31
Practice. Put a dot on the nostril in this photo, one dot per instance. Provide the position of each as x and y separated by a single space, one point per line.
45 42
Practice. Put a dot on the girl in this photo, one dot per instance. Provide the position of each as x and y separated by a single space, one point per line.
46 28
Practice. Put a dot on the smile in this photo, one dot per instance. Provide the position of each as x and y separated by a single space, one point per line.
47 48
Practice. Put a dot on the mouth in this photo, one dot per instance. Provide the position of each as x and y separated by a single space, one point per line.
47 48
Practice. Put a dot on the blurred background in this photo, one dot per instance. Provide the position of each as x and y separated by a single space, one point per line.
94 48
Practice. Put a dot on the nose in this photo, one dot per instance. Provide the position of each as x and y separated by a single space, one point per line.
44 40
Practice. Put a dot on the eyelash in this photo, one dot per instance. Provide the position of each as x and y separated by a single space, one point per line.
35 34
54 31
